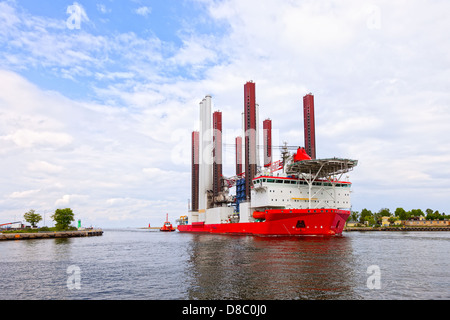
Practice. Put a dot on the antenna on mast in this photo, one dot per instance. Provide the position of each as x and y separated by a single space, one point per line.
284 153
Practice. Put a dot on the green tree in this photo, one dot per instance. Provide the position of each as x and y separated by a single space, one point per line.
354 216
32 217
401 214
430 215
385 212
417 212
365 215
435 215
63 218
376 218
371 220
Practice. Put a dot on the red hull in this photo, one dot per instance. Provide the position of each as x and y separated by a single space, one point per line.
284 222
167 229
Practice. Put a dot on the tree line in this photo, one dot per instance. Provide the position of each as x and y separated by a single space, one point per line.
374 218
62 217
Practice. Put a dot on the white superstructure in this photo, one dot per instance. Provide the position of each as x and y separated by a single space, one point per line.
293 193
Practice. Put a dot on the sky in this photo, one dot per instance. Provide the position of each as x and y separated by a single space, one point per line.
98 98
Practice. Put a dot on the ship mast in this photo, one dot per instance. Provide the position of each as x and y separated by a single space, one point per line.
284 155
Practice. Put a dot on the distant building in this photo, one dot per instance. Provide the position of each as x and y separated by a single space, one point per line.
422 222
386 223
352 223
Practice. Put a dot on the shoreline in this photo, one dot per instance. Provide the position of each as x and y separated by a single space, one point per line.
50 235
396 229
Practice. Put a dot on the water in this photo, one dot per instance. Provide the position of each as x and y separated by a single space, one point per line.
149 265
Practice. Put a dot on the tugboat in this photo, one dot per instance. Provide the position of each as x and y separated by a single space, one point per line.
167 227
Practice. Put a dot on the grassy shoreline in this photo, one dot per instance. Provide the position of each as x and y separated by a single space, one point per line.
38 230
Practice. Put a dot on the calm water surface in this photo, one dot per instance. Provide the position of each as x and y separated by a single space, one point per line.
142 264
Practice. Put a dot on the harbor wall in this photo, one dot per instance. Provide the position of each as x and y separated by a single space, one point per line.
50 235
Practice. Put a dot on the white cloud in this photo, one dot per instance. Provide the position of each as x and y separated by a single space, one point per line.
74 149
27 138
196 51
24 194
44 166
143 11
102 8
71 200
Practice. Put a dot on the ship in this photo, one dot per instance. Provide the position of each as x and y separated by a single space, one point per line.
297 195
167 227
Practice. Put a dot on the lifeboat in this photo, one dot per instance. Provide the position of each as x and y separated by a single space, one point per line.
260 215
167 227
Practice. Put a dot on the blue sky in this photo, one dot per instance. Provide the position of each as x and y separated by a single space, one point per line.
113 37
98 118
